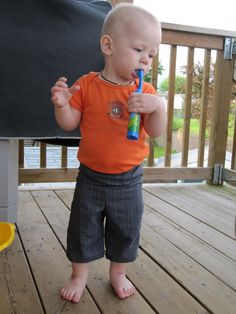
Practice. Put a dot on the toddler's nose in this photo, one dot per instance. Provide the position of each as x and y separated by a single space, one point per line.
144 60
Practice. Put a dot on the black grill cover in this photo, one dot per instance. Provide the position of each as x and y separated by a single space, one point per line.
41 40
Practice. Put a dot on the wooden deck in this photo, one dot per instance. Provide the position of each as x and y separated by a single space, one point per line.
187 260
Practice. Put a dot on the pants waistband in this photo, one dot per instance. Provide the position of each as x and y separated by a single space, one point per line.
132 176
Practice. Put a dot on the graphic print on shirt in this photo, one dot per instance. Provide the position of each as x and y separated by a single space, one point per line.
115 109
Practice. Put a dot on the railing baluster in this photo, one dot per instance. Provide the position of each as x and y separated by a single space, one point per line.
187 108
170 107
204 106
154 78
64 154
21 154
43 155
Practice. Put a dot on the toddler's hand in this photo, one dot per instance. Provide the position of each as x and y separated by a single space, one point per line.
143 103
61 93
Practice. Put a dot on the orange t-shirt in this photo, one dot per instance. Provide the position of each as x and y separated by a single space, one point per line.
104 146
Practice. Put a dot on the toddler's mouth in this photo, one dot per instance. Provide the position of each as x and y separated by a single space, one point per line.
134 74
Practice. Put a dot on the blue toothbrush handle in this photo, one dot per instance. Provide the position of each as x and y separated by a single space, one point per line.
134 118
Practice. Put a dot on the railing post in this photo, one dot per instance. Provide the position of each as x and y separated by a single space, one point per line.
221 105
8 180
233 159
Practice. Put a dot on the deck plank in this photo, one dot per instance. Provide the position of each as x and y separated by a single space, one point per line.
162 291
66 196
168 208
18 293
47 259
224 204
206 288
227 191
205 255
197 207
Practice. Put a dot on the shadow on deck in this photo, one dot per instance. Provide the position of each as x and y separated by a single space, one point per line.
187 260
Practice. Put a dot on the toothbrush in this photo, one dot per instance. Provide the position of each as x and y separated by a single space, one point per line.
134 118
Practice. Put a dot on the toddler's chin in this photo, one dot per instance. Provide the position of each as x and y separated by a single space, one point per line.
134 75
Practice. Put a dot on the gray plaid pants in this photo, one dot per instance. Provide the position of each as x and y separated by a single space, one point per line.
105 216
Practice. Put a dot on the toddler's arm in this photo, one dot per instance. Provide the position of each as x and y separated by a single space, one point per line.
66 116
154 109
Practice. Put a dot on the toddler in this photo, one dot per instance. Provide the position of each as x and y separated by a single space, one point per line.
107 206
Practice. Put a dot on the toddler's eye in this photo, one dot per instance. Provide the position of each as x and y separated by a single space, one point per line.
137 49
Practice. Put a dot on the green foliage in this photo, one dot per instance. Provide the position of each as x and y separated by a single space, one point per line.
160 68
159 151
231 125
148 76
164 85
177 124
194 125
180 82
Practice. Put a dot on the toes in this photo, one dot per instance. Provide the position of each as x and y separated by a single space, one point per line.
125 293
76 298
70 295
64 293
67 295
128 292
121 293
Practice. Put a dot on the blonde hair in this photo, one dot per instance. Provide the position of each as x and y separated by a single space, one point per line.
124 13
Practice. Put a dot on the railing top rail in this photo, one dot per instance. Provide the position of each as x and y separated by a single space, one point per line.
198 30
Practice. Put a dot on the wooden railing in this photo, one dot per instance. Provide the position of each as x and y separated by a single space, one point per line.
192 38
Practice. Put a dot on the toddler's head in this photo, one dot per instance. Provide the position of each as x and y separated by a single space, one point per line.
130 39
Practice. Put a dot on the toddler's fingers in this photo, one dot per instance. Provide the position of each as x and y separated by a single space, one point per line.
63 79
54 99
135 95
133 98
61 84
73 89
55 89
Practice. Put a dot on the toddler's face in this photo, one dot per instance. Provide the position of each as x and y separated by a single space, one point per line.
135 49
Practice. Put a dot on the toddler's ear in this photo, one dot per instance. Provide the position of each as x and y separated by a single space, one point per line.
106 45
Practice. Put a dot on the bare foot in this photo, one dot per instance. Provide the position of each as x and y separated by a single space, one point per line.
120 283
122 286
74 289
